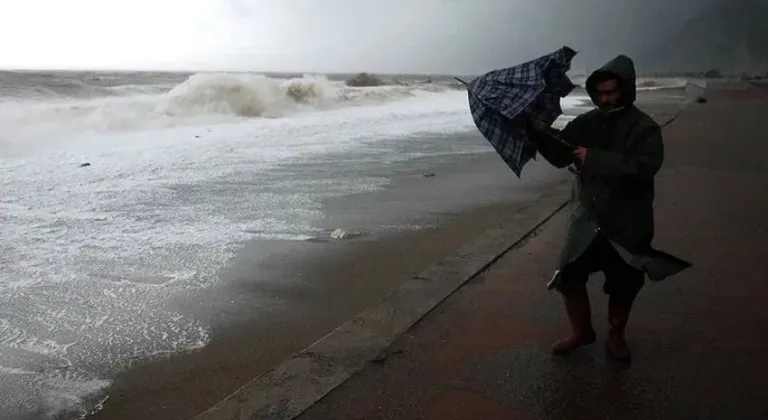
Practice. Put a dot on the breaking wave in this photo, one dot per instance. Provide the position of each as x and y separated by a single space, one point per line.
200 99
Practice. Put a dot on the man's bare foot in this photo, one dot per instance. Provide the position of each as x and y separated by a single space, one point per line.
617 348
572 343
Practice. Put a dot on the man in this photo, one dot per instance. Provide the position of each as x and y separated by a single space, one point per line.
617 150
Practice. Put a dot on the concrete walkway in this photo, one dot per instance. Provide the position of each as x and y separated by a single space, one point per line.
699 340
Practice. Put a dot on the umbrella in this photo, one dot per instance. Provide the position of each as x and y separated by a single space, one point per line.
504 101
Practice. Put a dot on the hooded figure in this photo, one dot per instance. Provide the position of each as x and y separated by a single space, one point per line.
616 150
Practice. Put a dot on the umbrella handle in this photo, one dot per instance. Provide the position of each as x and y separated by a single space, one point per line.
462 82
550 132
563 142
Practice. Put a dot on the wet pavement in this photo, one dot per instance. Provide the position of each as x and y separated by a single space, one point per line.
699 339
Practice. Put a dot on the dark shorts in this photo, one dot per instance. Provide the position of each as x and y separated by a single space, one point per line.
621 279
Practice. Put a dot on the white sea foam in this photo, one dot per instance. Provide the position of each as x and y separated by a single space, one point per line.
91 256
207 98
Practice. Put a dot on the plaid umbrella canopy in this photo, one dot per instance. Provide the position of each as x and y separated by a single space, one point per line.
504 101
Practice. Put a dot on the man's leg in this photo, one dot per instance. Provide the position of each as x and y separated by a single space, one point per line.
622 284
580 315
573 287
619 308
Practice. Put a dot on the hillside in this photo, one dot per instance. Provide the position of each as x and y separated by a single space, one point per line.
730 35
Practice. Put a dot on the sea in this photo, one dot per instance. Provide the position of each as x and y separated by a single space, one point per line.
117 193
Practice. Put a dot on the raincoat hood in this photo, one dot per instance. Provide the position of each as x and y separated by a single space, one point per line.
621 67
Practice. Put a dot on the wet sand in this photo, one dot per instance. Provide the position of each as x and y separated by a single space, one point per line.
306 289
279 296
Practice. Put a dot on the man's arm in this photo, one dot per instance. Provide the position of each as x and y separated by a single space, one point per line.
554 144
643 162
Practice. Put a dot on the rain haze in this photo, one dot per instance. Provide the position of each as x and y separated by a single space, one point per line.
397 36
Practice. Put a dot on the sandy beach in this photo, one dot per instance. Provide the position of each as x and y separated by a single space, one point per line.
312 287
127 213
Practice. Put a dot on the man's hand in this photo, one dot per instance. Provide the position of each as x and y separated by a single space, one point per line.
538 125
580 154
574 170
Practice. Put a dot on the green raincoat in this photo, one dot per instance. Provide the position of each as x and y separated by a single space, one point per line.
614 189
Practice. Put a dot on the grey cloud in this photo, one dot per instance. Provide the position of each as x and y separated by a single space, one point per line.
447 36
396 36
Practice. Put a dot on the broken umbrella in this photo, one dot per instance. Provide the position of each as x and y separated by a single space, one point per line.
504 102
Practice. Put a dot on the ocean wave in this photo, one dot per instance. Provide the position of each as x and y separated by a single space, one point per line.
658 83
202 98
646 83
244 95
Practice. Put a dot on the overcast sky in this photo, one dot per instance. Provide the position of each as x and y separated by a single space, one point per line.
408 36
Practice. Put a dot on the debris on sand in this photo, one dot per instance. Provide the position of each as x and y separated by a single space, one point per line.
339 234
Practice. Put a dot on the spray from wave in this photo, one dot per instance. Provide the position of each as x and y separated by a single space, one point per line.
38 111
245 96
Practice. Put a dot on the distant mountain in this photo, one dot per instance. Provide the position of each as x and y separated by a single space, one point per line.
730 35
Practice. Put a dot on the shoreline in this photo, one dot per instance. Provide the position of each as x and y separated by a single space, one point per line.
305 289
325 291
288 389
